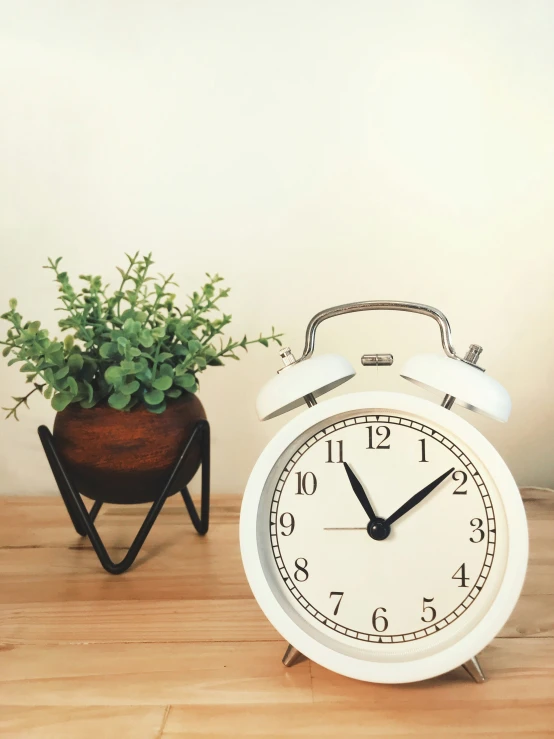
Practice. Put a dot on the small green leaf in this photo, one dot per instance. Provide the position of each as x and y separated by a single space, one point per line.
60 401
133 401
75 362
154 397
48 391
90 391
87 403
63 372
72 387
166 370
68 342
194 346
118 401
54 348
113 375
175 392
130 388
183 332
128 367
162 383
6 350
185 381
157 408
145 338
108 350
13 303
130 326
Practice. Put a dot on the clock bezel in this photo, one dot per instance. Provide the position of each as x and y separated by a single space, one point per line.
416 668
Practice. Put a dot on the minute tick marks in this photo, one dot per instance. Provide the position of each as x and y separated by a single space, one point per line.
368 485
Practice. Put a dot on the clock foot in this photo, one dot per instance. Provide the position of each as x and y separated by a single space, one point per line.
474 670
292 656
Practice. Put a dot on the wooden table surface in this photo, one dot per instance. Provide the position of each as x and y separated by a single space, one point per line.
178 647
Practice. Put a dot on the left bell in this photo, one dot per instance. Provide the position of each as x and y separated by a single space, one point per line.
314 376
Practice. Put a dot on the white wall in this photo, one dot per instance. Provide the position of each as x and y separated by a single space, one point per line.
313 153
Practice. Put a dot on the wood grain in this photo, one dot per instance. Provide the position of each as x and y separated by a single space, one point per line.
178 647
152 674
111 622
534 721
108 722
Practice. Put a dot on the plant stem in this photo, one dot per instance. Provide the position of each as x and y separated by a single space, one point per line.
155 365
132 262
21 401
152 311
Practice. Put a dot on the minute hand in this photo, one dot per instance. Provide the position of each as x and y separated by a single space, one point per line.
418 497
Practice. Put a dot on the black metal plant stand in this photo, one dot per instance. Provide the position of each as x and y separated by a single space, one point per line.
83 520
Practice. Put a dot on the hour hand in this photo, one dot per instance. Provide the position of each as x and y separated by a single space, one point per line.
360 492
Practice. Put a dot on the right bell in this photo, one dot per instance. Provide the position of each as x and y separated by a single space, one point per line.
471 387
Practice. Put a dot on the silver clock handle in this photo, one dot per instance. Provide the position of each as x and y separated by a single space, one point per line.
339 310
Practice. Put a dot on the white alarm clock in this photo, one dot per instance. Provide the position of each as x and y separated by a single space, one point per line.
382 535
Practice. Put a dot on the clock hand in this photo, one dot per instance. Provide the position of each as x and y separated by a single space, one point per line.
417 498
360 492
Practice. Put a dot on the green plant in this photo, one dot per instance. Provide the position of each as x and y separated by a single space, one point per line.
132 346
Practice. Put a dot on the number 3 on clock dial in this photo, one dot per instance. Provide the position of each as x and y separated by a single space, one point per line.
425 574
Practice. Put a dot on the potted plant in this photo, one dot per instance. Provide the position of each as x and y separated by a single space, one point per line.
124 378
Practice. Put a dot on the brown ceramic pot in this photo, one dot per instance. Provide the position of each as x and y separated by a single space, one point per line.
118 457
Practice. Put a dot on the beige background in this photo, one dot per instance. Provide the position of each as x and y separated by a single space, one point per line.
313 153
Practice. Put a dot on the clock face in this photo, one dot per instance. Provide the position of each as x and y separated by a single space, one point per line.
382 534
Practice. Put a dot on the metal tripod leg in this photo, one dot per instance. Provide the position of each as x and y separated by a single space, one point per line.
83 521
